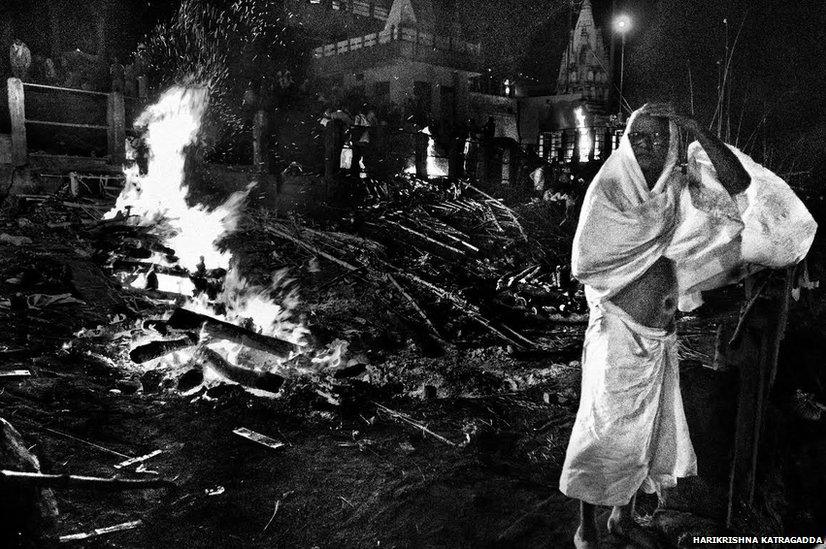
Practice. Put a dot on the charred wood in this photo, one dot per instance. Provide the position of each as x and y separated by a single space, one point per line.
157 349
183 319
264 381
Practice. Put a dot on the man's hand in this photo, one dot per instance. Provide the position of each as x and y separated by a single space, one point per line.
664 110
730 171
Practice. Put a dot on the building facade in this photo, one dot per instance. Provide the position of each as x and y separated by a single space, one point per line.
408 61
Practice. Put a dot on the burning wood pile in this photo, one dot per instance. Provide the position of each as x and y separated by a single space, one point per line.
453 254
451 258
200 320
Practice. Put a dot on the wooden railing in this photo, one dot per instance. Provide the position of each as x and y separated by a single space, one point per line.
115 126
403 34
363 8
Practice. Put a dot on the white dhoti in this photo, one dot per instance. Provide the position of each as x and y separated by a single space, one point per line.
630 430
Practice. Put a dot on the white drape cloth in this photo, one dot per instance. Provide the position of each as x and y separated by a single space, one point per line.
690 218
630 430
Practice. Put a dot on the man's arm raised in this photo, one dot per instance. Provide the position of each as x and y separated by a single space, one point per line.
731 173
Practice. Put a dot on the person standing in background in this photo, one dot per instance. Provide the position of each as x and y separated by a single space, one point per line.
20 58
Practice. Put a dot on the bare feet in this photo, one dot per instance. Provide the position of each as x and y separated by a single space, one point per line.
589 540
628 529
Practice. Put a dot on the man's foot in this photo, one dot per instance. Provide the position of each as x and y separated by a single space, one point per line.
628 529
588 540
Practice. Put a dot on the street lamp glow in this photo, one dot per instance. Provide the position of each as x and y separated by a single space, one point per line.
622 23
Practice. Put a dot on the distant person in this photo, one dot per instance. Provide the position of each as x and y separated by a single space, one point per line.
74 79
489 129
360 140
117 75
21 59
472 149
335 124
50 72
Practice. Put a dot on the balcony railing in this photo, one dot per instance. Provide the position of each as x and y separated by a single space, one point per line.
363 8
422 40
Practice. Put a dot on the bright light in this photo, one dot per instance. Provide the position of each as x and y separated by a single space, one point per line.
584 135
622 23
159 198
436 165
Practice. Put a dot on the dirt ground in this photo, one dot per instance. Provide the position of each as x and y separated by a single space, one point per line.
349 474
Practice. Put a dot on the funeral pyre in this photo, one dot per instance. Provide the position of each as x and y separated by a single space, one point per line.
448 261
154 240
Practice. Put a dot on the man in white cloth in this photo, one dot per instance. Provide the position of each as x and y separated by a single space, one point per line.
651 237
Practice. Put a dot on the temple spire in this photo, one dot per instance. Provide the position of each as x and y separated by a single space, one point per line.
411 13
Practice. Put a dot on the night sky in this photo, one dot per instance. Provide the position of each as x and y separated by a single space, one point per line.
779 62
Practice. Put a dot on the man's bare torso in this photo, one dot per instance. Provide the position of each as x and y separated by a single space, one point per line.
651 299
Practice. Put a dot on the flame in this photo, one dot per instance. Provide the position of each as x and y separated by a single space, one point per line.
270 309
585 141
436 165
158 198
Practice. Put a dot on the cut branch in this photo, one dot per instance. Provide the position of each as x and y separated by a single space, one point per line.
414 305
416 424
505 209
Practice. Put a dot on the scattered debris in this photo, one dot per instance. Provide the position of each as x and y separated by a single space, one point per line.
140 459
15 240
416 424
258 437
7 375
101 531
216 491
272 518
22 478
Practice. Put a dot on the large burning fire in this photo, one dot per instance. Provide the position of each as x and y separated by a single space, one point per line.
243 328
158 198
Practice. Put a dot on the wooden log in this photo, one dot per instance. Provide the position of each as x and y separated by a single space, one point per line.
757 342
19 479
264 381
421 235
183 319
156 349
17 113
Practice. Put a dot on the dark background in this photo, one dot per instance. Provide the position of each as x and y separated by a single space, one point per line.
777 72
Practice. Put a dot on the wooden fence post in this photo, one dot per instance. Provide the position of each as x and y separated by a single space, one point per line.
17 113
756 357
116 134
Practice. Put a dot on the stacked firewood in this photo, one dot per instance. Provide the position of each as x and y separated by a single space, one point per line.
454 248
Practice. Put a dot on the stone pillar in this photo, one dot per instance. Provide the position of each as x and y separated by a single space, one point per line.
17 114
259 141
116 136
